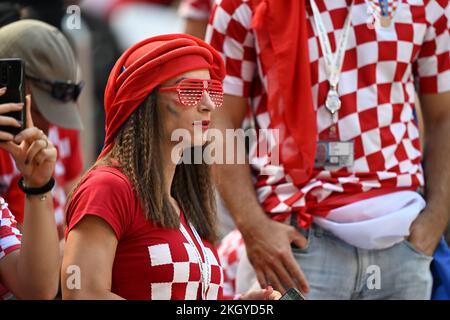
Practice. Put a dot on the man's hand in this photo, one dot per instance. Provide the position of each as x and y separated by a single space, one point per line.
268 245
427 229
425 232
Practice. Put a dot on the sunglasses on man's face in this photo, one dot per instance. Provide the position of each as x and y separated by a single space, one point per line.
62 90
190 91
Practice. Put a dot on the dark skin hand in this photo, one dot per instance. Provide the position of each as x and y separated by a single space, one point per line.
429 226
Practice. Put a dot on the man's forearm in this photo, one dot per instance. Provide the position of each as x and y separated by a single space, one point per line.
235 186
38 264
437 171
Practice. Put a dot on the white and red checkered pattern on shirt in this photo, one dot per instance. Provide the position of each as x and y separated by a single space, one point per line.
10 239
377 89
177 275
69 166
230 250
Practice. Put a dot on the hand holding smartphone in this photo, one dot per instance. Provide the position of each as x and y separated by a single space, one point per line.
12 78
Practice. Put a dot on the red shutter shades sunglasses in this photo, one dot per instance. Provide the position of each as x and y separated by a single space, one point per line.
190 91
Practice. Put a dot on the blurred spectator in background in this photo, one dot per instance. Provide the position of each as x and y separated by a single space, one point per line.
56 13
95 48
104 51
52 79
135 20
196 13
9 12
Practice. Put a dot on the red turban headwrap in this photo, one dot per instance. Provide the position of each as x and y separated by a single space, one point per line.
146 65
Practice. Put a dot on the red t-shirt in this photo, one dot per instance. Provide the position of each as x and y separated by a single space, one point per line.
151 262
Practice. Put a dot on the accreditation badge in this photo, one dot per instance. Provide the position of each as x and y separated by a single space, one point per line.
334 154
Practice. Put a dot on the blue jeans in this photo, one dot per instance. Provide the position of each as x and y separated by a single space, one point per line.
337 270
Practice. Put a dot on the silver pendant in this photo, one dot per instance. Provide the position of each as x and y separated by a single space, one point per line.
333 102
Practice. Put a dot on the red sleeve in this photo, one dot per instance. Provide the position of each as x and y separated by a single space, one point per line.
73 162
105 193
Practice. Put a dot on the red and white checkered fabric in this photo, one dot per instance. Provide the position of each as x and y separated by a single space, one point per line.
377 89
195 9
10 240
177 272
230 250
69 166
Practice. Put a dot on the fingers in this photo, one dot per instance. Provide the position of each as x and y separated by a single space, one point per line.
9 121
10 107
29 121
11 147
5 136
34 149
267 292
2 91
283 271
298 239
292 266
48 154
274 281
261 278
276 295
29 135
297 275
272 294
283 276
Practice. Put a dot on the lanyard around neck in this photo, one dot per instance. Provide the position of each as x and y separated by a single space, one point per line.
333 62
205 268
384 7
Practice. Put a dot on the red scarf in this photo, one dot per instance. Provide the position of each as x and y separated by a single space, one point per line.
281 30
147 64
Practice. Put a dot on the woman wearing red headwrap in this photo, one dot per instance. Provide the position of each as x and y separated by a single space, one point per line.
141 225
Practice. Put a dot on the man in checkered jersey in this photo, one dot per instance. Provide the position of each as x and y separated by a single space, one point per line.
357 209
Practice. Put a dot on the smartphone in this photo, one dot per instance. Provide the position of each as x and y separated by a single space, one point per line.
293 294
12 76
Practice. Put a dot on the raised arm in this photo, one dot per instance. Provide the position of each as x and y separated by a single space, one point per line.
32 272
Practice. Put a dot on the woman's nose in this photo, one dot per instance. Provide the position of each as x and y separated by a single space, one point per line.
206 104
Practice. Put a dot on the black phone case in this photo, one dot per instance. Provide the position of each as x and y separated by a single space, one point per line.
12 76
